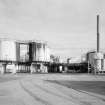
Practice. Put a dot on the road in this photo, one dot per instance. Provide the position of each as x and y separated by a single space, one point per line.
35 89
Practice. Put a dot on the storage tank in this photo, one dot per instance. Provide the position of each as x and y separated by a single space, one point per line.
47 54
104 65
34 45
95 59
0 50
98 60
8 50
17 51
39 52
42 52
24 52
90 58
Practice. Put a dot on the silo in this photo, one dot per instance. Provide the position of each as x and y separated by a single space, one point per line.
95 59
90 58
0 50
98 57
8 50
39 52
30 51
24 52
103 65
34 56
17 51
47 54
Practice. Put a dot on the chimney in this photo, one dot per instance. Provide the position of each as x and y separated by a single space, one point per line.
98 36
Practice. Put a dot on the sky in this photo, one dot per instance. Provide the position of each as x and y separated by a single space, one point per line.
68 26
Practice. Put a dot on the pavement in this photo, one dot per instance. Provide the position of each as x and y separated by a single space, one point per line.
35 89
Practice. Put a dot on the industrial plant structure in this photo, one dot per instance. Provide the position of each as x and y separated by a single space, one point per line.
96 60
24 56
34 56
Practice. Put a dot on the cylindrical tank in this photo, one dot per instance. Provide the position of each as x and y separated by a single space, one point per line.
98 55
17 51
98 59
103 64
34 47
24 52
31 51
39 52
91 58
0 50
8 50
95 59
98 65
47 54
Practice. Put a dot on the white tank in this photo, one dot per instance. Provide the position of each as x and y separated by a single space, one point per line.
0 50
8 50
91 59
103 64
98 56
24 52
95 59
39 52
42 53
98 65
47 54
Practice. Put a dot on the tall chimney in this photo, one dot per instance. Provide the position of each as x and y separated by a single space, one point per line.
98 37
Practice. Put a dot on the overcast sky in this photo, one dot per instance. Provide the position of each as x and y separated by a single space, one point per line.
69 26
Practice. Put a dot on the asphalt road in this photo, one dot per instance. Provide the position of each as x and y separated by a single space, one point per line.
36 89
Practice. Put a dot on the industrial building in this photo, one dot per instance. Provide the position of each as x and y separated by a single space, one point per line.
23 56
